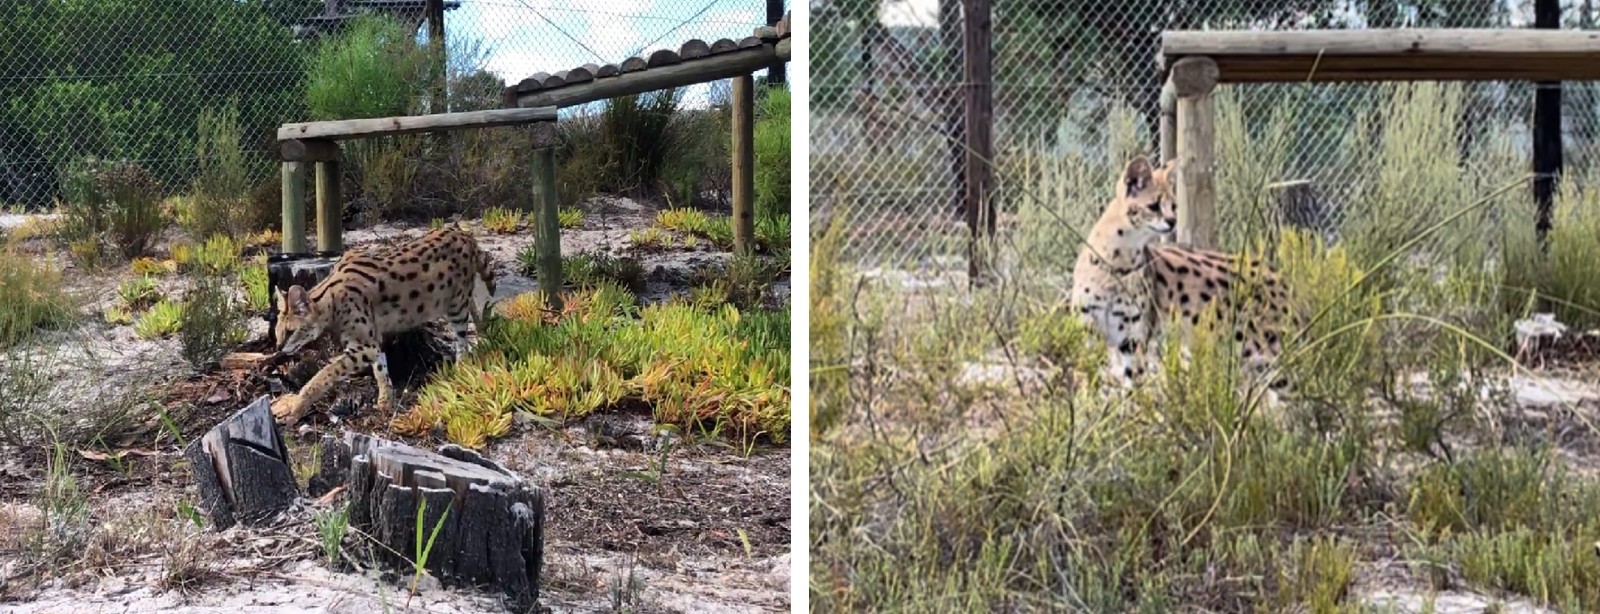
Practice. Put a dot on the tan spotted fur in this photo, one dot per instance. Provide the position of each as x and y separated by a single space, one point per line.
371 294
1128 282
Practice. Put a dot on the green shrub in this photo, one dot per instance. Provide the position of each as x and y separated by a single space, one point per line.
1562 276
31 298
224 183
772 156
164 318
209 323
373 68
635 140
115 203
713 370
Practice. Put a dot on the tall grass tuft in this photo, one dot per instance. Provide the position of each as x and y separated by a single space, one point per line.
221 201
31 298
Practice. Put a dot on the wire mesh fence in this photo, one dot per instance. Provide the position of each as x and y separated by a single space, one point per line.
1076 87
131 79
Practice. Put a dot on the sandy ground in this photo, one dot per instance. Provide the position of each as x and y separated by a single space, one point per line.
701 528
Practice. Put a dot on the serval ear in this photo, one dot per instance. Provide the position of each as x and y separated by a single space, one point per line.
297 301
1137 176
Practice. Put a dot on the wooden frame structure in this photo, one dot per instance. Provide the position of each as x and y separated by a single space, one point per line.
1197 61
536 101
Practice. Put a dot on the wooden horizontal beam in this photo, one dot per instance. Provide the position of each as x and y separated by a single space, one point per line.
308 150
1391 55
723 65
383 126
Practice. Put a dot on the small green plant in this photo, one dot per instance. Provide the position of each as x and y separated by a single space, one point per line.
743 279
220 201
586 270
218 255
570 218
502 221
139 293
690 221
332 524
31 298
772 156
650 239
151 267
424 549
257 289
164 318
208 323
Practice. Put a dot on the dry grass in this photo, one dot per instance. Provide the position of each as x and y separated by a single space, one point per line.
1039 491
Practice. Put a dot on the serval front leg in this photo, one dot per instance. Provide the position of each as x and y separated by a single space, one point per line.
356 356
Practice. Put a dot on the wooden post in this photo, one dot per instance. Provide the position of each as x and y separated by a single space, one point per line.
744 164
547 205
294 207
1193 79
1546 128
1169 122
434 10
979 73
950 35
777 74
330 208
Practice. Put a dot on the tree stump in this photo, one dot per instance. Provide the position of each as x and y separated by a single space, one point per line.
242 468
1300 206
489 521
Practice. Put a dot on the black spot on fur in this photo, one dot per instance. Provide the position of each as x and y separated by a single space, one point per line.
1126 347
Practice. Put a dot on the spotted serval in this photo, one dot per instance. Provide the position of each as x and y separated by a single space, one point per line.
374 293
1126 282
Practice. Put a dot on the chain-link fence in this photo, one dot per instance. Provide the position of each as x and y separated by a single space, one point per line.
132 79
1076 88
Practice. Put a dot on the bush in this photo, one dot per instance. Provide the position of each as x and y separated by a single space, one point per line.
31 298
374 68
714 370
164 318
635 140
772 156
116 203
209 323
224 184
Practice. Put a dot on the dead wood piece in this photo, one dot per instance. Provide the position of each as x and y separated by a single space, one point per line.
486 523
241 467
634 64
663 57
244 361
767 33
582 74
694 48
556 80
723 45
749 41
609 70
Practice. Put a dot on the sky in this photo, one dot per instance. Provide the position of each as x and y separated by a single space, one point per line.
522 37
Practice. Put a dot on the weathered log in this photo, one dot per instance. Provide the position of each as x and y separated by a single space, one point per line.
663 57
609 70
556 80
767 33
308 150
723 45
635 64
694 48
383 126
486 522
582 74
241 467
749 41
